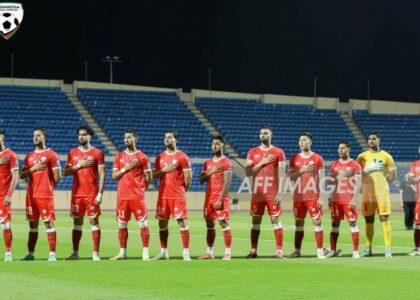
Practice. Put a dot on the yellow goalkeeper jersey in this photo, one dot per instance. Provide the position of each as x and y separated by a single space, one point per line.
374 185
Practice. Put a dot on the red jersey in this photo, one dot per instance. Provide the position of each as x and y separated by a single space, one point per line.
172 184
6 170
346 186
307 188
85 180
132 184
415 170
41 183
215 182
266 180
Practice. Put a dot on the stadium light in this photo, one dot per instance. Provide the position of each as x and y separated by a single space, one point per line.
111 61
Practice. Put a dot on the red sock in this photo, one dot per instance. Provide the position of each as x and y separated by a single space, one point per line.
185 236
211 235
123 236
227 235
145 236
163 236
278 233
52 239
417 237
32 238
76 236
7 235
254 238
319 237
96 236
298 239
355 238
333 240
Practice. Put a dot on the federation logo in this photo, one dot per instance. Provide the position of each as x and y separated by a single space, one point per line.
11 16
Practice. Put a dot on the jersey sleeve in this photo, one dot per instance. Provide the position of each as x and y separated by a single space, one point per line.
157 166
116 165
390 164
412 169
204 168
249 161
361 160
292 164
14 162
184 162
55 161
68 162
357 169
101 159
320 163
145 163
281 157
332 172
228 167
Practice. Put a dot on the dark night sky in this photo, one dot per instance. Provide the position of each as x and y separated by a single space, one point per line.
251 46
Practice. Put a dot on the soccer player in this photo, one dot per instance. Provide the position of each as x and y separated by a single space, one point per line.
266 164
9 174
378 172
345 175
42 167
173 168
133 173
414 178
86 164
307 171
217 172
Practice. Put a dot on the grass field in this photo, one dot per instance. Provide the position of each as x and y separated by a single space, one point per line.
302 278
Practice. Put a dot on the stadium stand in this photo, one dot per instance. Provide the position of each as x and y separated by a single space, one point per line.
239 124
150 114
400 134
25 107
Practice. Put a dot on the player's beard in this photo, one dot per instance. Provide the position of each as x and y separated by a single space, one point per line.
218 153
39 144
83 143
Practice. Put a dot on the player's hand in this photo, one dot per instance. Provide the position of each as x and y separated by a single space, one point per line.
4 160
374 167
218 204
7 201
98 199
353 204
268 159
85 162
307 169
215 170
38 166
169 168
349 172
279 199
130 165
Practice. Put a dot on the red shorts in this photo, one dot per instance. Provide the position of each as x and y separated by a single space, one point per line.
259 202
127 207
417 214
5 212
339 210
175 207
301 207
82 205
211 213
40 207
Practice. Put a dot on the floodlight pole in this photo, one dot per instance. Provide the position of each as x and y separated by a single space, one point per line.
368 89
111 61
315 87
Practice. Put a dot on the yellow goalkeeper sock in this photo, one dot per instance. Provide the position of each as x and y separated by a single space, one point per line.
369 233
386 230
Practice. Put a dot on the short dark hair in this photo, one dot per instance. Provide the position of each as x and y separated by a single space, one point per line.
345 143
2 131
88 129
267 127
42 129
308 134
133 132
219 138
174 133
373 133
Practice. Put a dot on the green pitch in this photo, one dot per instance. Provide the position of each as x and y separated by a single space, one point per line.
266 277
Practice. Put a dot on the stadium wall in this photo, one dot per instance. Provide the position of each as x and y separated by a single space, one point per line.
384 107
31 82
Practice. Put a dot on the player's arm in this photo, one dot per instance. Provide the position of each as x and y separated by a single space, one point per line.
102 178
57 174
25 171
321 186
204 176
148 175
252 169
392 169
282 180
187 178
412 179
227 179
357 189
12 188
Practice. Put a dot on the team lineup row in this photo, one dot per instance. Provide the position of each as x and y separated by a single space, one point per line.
372 173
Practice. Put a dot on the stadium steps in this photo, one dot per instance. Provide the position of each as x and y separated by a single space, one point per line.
238 164
106 141
355 130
